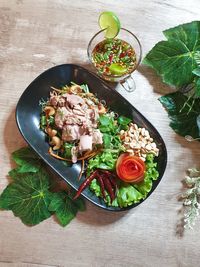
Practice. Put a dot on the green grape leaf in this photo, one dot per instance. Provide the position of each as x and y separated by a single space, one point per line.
27 160
174 59
64 207
28 197
197 87
183 113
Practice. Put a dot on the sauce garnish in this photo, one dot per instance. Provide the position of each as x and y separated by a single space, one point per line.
114 57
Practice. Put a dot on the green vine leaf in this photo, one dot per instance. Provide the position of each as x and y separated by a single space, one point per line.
28 197
64 207
183 112
197 86
27 160
174 59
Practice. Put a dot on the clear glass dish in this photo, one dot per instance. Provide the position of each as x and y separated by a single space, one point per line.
126 80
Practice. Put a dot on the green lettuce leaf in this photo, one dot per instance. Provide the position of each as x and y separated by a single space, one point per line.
28 197
183 113
127 195
64 207
105 161
95 187
174 59
151 174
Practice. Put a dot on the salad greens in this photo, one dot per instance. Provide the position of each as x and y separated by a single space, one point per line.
177 61
129 194
29 195
112 143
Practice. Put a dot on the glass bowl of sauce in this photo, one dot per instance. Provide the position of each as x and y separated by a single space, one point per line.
115 59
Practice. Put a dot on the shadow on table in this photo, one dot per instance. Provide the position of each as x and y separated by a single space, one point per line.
154 80
100 217
12 137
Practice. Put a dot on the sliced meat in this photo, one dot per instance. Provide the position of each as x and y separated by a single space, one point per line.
54 100
97 137
71 132
61 116
73 100
85 143
57 100
77 110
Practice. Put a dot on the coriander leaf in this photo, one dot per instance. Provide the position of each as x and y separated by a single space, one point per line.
183 112
107 124
124 121
67 150
27 160
174 59
64 207
28 197
107 138
105 120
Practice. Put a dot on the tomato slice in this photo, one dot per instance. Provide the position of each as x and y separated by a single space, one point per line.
130 168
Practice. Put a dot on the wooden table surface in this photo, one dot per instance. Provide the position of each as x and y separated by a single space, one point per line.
36 35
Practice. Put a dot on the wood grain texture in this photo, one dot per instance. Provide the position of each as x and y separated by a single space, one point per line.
36 35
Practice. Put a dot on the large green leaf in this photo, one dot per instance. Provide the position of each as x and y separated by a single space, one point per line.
183 113
28 197
64 207
174 59
27 160
197 87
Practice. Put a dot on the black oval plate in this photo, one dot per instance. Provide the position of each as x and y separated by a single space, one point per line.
28 120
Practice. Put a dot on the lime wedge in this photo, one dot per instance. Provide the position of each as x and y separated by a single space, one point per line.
109 21
117 69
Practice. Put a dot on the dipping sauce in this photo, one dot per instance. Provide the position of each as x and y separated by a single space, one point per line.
114 57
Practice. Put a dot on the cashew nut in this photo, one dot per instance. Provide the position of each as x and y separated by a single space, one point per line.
49 110
75 89
51 132
56 142
101 109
